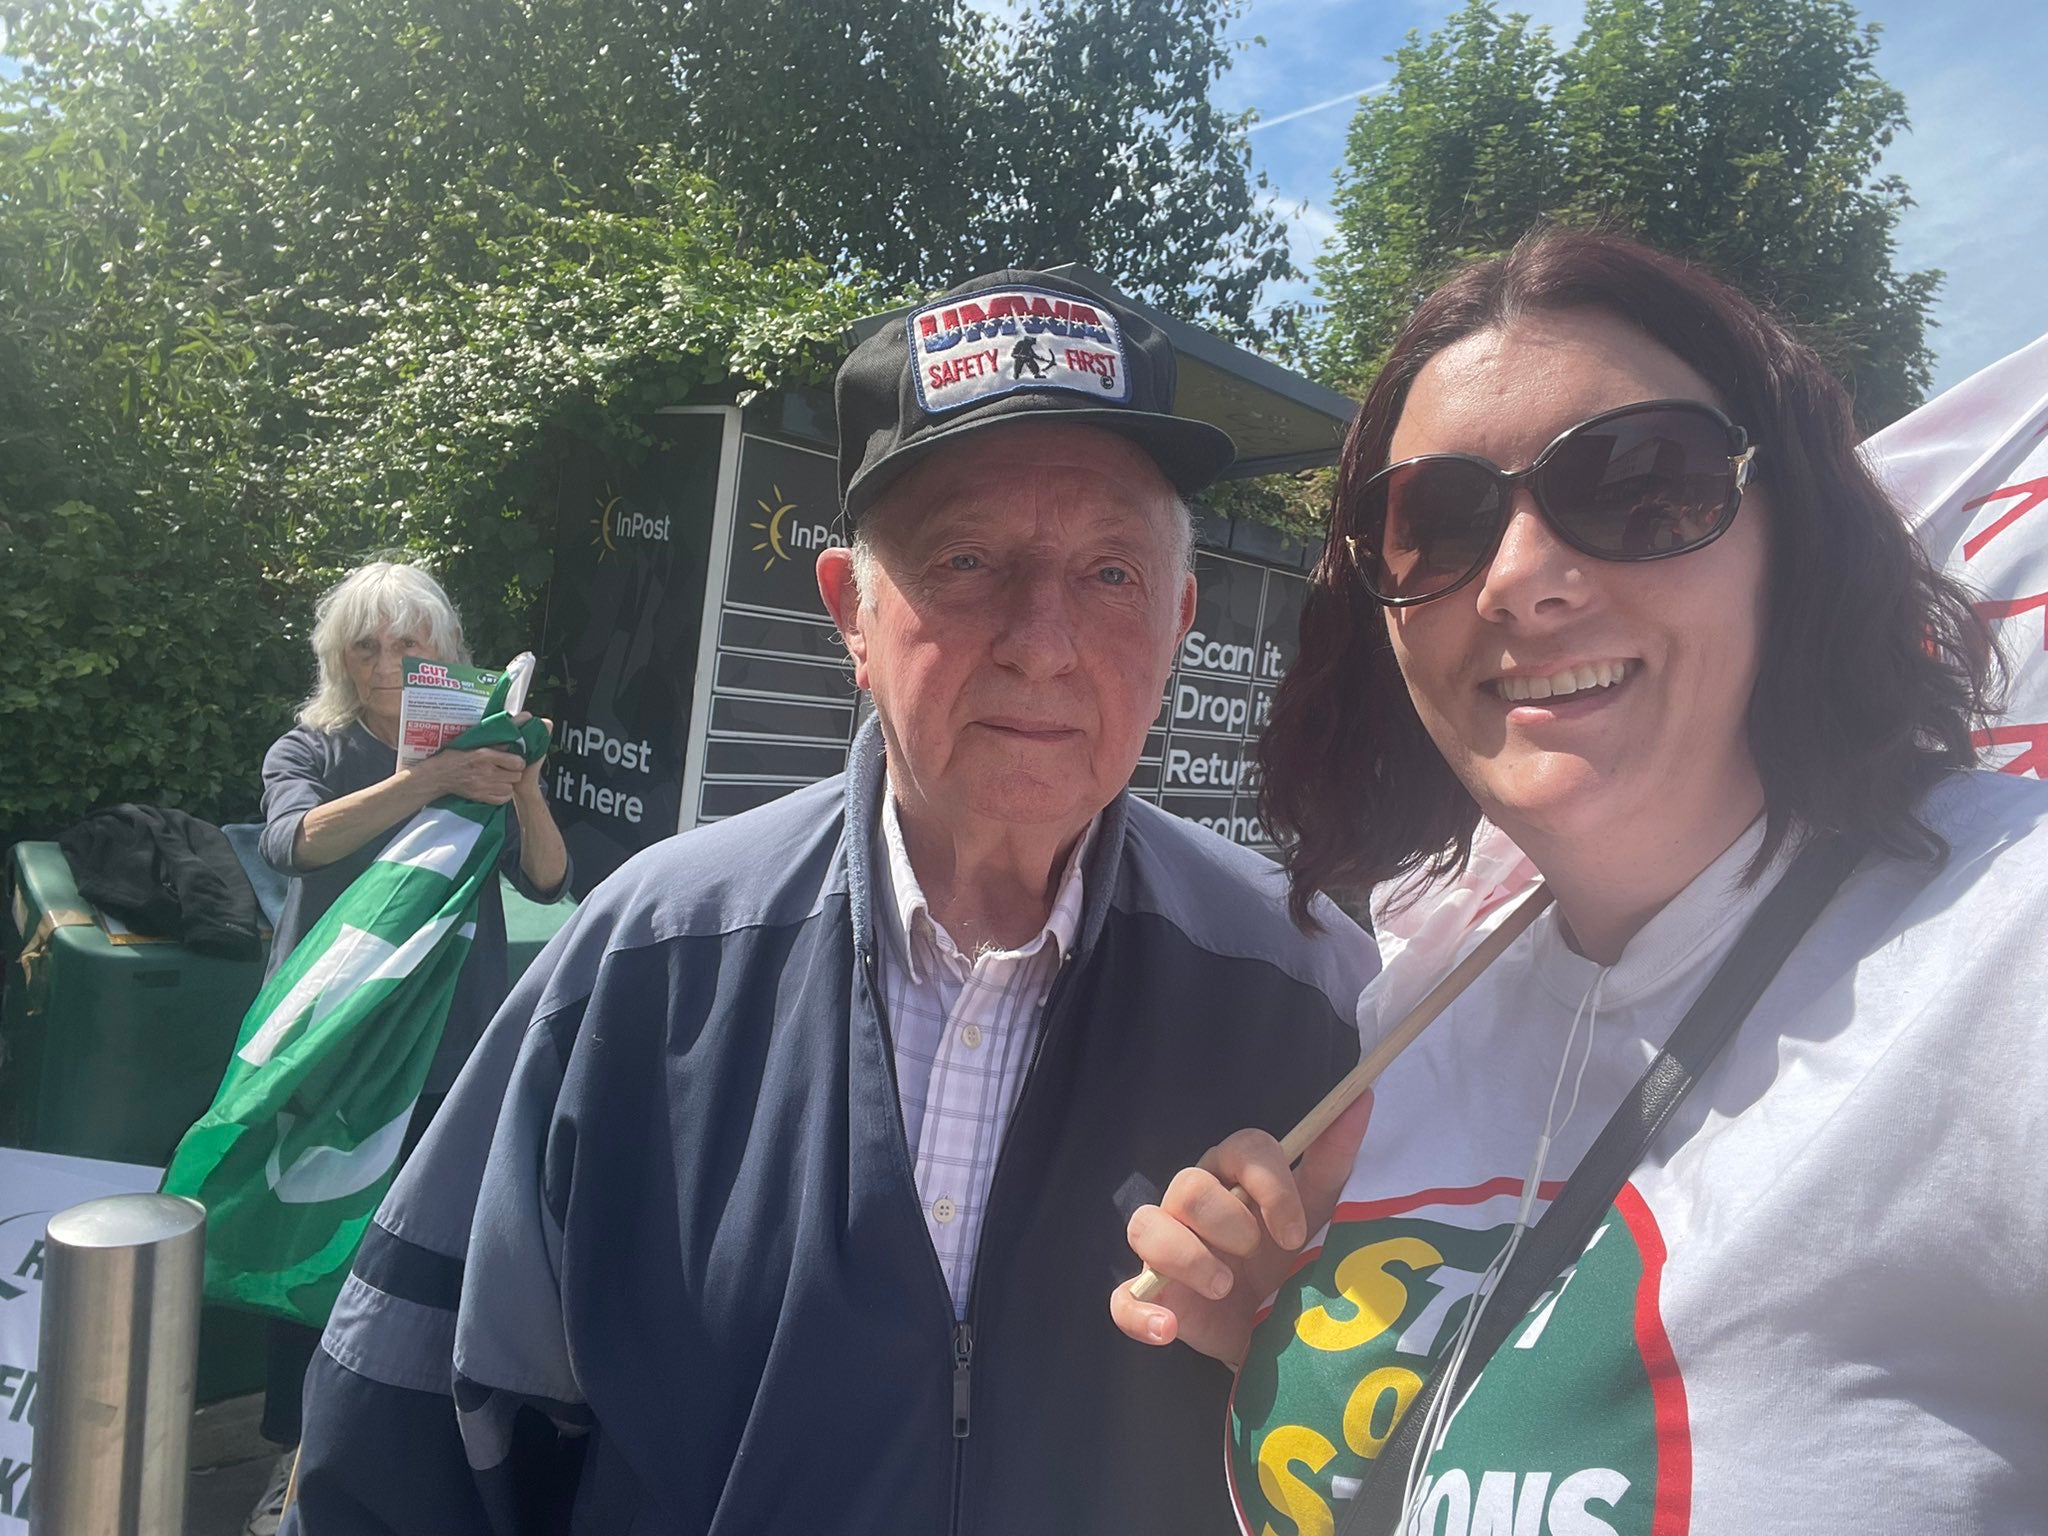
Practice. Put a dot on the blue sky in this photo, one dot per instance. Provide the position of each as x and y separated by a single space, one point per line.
1976 160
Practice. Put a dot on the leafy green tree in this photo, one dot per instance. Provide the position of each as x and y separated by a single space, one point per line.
910 144
285 282
1454 158
1105 148
1744 133
924 142
142 651
240 351
442 428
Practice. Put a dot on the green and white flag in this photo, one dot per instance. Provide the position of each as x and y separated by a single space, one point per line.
305 1133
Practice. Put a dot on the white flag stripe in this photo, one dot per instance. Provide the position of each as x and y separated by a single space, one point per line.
389 966
355 959
293 1007
331 1173
1962 442
436 839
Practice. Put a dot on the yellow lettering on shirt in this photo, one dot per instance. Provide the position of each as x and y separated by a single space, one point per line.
1377 1296
1285 1491
1362 1410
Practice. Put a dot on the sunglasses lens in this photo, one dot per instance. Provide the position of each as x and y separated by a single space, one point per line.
1653 482
1428 525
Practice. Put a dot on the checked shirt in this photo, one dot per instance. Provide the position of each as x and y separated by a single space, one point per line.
965 1028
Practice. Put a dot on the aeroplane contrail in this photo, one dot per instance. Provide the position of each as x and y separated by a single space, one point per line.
1320 106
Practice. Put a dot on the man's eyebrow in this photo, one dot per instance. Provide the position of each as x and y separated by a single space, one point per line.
941 521
934 523
931 525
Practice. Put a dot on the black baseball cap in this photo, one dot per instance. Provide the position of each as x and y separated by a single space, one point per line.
1015 345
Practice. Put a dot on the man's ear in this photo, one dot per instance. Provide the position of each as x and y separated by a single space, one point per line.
841 592
1187 609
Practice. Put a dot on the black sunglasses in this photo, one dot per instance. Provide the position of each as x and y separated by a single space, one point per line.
1644 482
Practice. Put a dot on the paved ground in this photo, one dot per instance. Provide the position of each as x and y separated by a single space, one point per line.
230 1465
218 1499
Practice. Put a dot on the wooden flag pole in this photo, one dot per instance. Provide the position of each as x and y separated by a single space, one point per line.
1150 1283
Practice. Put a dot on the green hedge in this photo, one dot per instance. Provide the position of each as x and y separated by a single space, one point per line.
137 662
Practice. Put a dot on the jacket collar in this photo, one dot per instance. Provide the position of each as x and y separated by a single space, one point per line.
867 782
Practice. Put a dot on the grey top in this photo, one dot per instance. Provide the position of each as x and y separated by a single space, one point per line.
305 768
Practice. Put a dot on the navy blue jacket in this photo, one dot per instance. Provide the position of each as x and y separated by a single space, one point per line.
663 1247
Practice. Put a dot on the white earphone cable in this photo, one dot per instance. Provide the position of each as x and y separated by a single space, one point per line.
1436 1426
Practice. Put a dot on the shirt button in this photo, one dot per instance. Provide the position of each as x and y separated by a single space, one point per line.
944 1210
970 1036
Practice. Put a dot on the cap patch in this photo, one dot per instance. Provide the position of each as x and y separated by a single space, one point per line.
1004 340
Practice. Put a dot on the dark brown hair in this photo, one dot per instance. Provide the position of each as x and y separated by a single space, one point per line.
1874 665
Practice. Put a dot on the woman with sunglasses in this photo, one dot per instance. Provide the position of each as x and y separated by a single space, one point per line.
1606 568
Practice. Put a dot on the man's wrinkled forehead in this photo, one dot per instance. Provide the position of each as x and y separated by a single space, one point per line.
1116 480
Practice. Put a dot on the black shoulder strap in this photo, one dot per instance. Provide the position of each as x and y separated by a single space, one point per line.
1779 922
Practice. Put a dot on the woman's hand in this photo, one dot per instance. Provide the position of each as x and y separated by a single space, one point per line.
336 828
529 781
1222 1255
543 856
488 775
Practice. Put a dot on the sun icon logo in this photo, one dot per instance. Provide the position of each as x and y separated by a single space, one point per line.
771 529
607 513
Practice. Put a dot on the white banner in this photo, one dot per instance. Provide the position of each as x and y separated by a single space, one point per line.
34 1186
1971 467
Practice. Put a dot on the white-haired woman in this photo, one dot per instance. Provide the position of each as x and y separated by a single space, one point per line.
333 796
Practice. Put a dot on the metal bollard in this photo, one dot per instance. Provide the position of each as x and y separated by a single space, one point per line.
118 1364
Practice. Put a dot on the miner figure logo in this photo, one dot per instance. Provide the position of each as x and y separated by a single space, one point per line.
1025 355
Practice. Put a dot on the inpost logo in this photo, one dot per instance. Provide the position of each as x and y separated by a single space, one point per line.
616 524
782 529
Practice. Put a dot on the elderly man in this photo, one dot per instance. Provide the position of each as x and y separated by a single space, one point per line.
783 1194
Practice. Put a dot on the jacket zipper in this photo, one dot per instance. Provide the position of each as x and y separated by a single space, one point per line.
963 1328
963 1357
963 1331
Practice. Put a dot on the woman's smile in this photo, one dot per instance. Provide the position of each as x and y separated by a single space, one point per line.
1558 683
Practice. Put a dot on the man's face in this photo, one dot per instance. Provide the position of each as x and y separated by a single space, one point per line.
1027 592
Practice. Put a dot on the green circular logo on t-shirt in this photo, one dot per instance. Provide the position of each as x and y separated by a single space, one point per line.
1577 1427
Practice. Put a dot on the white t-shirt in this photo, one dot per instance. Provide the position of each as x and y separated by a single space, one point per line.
1820 1305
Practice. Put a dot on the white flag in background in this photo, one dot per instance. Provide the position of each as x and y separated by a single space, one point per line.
1971 468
